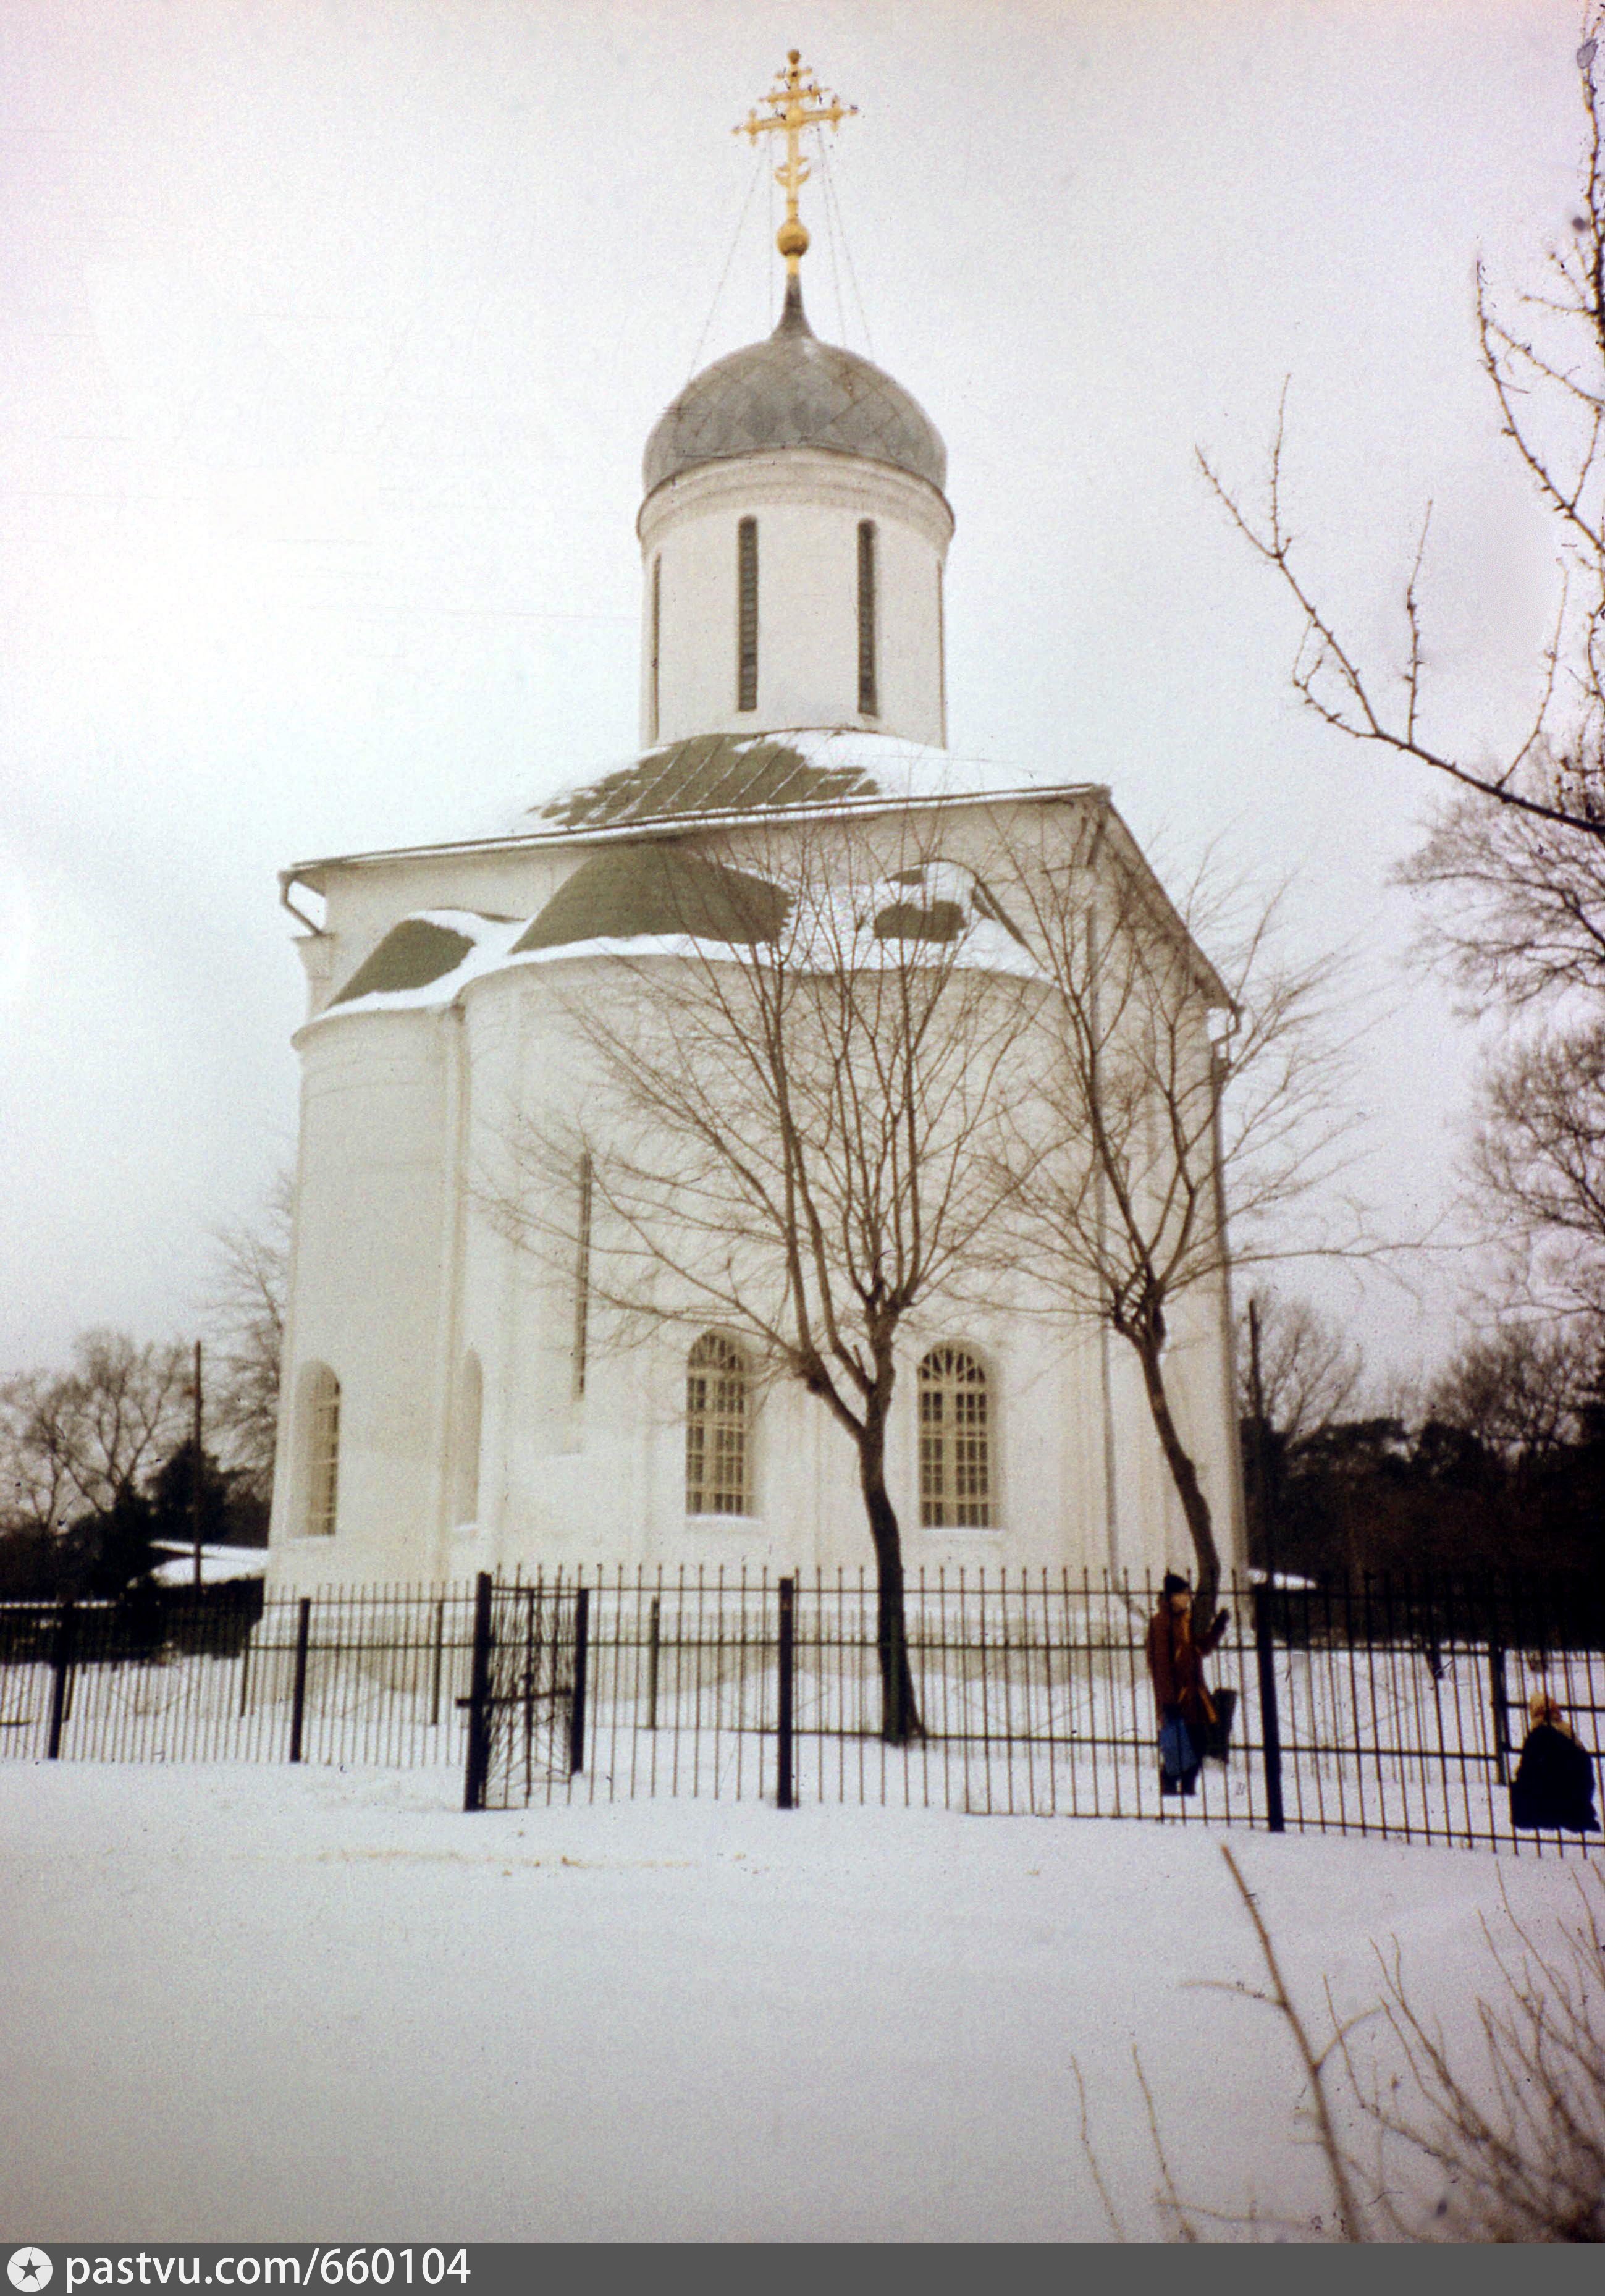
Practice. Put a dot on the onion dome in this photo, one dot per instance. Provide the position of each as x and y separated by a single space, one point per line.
793 390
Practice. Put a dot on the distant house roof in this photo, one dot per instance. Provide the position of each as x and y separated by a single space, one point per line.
217 1563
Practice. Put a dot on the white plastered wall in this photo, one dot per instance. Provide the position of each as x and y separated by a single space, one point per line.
372 1214
809 504
398 1271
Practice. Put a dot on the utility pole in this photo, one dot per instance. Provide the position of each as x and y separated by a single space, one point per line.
1261 1496
195 1478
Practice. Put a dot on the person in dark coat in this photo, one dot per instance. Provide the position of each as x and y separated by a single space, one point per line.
1175 1668
1554 1783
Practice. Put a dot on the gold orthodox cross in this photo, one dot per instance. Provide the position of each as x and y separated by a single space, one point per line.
795 101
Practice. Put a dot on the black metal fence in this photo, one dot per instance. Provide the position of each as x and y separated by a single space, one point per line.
375 1676
1389 1707
526 1691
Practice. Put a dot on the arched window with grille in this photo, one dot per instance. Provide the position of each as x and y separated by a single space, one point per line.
320 1450
717 1453
868 689
470 1413
746 639
956 1442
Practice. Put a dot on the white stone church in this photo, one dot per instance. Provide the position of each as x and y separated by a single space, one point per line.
451 1403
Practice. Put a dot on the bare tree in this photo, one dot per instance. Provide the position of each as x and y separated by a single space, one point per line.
36 1491
1516 855
245 1312
1521 2151
1518 1392
788 1101
1545 366
1162 1083
1298 1376
1521 920
1309 1373
77 1441
1517 2144
1519 923
1539 1155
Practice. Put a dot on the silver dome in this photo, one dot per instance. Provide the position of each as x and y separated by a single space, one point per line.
793 390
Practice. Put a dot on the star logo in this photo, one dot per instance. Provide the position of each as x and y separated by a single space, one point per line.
29 2268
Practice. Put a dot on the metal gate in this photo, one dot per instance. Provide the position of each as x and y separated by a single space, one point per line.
527 1694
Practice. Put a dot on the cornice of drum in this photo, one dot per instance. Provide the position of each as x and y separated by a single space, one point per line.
816 477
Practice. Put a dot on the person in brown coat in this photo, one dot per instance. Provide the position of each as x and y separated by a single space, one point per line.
1175 1667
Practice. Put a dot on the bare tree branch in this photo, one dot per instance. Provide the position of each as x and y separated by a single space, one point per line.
1164 1087
1547 378
790 1127
245 1312
74 1442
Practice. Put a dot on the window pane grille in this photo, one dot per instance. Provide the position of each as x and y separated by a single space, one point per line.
955 1460
867 701
747 614
322 1462
716 1428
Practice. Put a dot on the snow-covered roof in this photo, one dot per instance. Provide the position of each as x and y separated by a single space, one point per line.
659 900
637 812
724 781
425 959
628 892
729 777
217 1564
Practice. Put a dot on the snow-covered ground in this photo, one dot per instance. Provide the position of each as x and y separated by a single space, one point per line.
264 2003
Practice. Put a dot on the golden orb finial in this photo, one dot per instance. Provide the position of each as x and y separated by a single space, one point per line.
795 101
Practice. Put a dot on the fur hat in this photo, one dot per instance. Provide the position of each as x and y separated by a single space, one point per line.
1174 1584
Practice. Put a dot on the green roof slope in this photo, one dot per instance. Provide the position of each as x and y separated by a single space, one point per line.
627 892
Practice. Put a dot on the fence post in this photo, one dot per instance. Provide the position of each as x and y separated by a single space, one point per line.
784 1797
576 1711
245 1671
1500 1698
652 1636
298 1709
1270 1723
60 1661
478 1767
435 1668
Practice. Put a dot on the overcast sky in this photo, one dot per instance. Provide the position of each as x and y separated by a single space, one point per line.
330 332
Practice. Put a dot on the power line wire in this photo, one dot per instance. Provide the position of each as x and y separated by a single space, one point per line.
832 201
831 238
729 259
